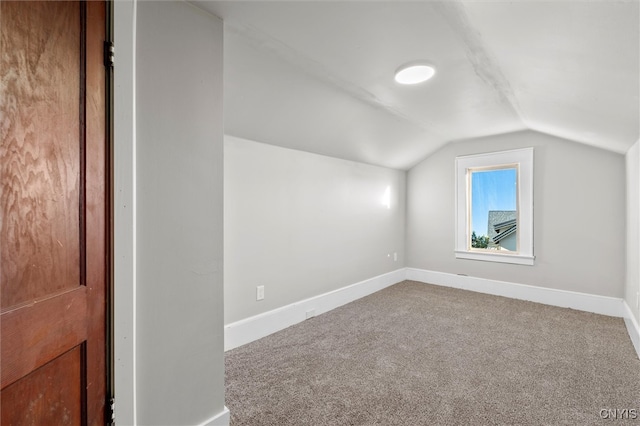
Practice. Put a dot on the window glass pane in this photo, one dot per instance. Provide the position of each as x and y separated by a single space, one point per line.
493 215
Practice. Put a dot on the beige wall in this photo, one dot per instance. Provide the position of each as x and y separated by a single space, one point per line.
169 366
579 215
304 224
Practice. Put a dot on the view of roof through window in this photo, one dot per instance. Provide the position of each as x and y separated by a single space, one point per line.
494 208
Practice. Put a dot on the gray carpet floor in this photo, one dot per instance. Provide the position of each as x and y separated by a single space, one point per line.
418 354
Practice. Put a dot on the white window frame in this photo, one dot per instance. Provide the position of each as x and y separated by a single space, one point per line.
523 160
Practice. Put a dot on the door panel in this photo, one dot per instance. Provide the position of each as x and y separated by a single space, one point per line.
33 335
53 213
57 386
40 150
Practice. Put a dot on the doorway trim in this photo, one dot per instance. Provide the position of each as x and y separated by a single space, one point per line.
124 211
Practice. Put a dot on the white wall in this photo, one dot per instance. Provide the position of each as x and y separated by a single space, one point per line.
124 18
168 219
303 224
579 215
632 286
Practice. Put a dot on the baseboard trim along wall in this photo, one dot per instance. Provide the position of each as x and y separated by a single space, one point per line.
603 305
632 328
221 419
253 328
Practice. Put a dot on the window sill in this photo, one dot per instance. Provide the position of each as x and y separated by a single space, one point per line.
517 259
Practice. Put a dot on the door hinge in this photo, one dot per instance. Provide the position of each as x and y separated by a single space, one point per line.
109 53
110 411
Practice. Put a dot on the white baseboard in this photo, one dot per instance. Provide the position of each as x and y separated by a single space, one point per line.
253 328
632 328
603 305
221 419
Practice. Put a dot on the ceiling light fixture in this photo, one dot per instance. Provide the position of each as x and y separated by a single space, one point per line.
414 73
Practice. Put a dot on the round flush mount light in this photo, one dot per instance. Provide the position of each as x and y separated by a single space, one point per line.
414 73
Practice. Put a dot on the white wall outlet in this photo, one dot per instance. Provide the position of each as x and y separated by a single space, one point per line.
260 292
395 256
311 313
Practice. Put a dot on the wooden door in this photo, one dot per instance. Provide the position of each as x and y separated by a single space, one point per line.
53 213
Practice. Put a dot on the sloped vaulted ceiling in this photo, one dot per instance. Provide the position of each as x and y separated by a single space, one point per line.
318 76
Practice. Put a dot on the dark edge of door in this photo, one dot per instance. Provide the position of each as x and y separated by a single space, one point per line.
109 311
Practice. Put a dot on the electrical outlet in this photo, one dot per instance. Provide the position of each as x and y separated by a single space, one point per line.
395 256
260 292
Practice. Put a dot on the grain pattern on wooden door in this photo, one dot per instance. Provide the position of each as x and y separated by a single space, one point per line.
53 213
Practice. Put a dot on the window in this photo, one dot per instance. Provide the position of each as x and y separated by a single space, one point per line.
494 207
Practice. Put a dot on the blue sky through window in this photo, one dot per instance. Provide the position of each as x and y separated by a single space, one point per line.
491 190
